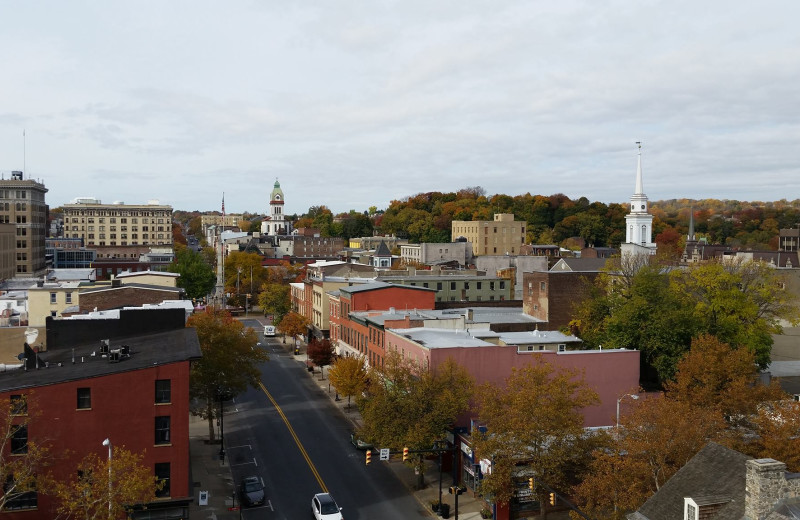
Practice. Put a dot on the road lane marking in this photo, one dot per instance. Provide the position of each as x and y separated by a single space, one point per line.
296 439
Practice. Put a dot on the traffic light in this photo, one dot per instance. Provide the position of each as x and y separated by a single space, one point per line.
369 456
552 499
405 454
530 484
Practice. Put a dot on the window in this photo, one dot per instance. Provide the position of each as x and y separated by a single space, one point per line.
68 297
691 512
162 429
84 398
52 297
438 286
19 405
452 286
542 286
502 285
18 499
19 439
163 391
162 476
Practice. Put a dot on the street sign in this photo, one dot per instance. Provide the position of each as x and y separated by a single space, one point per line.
384 453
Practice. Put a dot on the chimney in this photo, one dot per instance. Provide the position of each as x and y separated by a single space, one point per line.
765 486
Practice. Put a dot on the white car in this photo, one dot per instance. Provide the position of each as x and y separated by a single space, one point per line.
324 507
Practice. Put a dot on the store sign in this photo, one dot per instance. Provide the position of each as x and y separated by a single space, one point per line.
466 449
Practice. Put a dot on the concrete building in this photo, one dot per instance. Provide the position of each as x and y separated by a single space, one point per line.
118 224
514 265
276 224
22 204
51 299
216 221
436 253
454 285
500 236
134 392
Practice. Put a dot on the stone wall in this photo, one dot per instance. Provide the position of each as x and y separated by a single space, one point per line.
767 483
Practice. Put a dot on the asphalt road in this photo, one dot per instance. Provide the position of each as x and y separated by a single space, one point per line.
290 434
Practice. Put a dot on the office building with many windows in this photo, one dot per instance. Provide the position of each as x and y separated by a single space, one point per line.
118 224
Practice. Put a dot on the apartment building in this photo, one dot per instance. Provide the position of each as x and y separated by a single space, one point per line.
22 204
118 224
500 236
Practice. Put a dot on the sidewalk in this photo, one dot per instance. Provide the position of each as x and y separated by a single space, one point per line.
209 474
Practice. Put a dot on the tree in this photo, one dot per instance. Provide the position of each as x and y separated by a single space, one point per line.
88 495
274 299
293 324
229 363
777 438
320 352
534 420
658 312
410 406
653 442
716 376
21 457
197 276
348 375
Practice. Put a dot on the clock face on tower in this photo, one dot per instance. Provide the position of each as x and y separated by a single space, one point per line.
642 206
277 197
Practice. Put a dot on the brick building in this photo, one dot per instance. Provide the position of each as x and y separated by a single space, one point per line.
137 397
551 296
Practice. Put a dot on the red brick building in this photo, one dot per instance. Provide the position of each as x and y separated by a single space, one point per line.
551 296
135 392
356 335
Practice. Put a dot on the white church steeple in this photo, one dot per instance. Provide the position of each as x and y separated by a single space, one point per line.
639 222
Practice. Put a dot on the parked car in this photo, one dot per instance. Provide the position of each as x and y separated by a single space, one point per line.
252 491
356 441
324 507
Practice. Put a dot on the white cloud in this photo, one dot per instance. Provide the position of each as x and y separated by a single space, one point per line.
354 104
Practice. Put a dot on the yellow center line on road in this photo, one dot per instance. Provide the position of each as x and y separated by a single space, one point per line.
296 439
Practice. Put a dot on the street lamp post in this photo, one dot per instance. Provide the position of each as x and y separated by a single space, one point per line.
632 396
107 442
221 429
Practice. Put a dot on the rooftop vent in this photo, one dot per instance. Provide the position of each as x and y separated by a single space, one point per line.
104 343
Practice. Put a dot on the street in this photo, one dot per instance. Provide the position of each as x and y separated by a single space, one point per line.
290 434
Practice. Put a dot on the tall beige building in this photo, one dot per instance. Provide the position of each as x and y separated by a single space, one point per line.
118 224
500 236
22 204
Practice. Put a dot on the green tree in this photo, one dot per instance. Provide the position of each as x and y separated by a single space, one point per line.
274 299
348 375
659 312
410 406
89 495
534 420
197 276
229 363
244 274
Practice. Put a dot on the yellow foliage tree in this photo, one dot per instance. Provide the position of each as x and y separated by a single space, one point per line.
107 488
348 375
21 457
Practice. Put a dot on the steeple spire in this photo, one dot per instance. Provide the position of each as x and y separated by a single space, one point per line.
691 224
639 188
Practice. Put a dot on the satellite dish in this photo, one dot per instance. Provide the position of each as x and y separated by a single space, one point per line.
31 335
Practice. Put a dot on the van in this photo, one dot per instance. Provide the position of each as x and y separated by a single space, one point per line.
269 330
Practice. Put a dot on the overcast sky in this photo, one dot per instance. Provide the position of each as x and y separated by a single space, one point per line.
352 104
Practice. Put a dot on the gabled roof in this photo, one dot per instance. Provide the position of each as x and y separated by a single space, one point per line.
715 473
579 265
375 286
382 250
